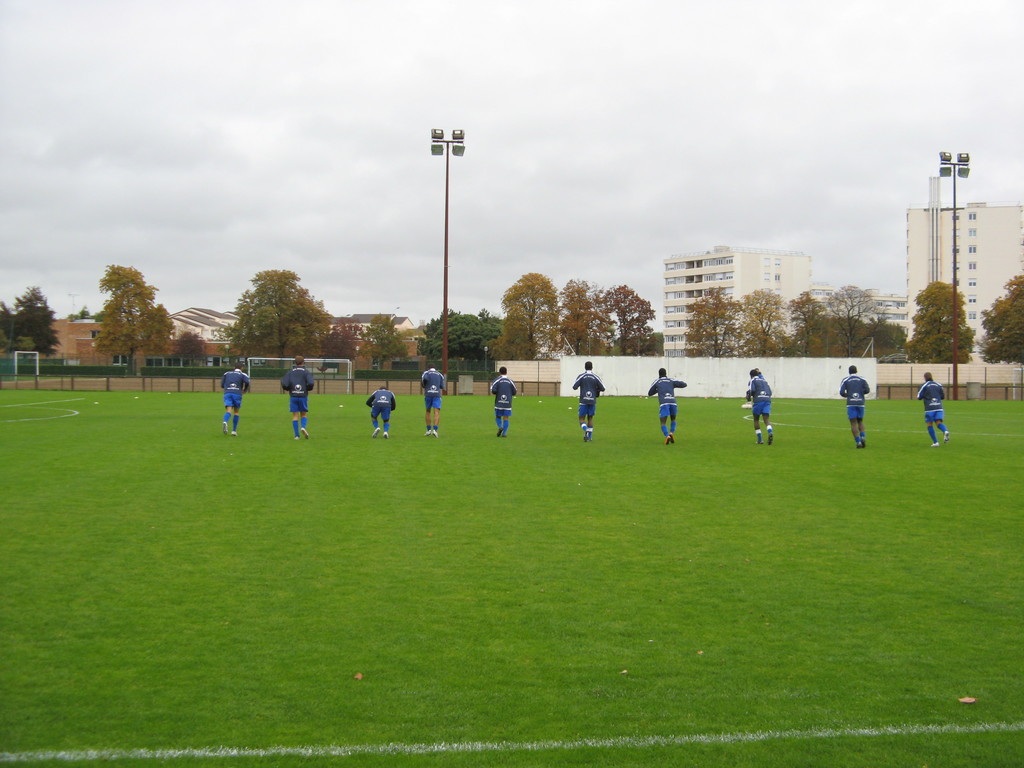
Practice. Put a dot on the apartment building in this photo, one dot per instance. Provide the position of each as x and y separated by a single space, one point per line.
738 271
990 244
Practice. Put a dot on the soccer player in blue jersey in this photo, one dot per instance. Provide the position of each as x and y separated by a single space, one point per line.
297 383
235 384
590 386
503 389
855 389
432 383
932 395
664 387
760 394
381 403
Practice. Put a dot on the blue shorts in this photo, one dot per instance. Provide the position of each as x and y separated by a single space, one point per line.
298 404
232 400
667 410
855 411
433 401
762 409
380 410
932 416
502 413
587 409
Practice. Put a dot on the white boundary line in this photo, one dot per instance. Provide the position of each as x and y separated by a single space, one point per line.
469 747
70 412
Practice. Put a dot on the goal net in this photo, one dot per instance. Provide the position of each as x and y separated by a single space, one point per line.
320 367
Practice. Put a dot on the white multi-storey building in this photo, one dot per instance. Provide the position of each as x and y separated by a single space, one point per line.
738 271
990 245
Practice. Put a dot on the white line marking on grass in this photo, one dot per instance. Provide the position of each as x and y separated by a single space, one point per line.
69 411
469 747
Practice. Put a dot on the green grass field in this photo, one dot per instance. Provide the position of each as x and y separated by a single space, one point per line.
534 600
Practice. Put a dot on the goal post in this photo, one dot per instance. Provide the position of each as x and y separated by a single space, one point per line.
321 367
29 366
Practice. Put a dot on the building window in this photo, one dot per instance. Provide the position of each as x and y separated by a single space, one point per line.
972 299
972 216
972 249
972 315
972 282
972 232
119 360
972 265
778 278
767 276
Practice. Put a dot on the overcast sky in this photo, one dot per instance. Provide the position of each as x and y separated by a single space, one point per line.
202 141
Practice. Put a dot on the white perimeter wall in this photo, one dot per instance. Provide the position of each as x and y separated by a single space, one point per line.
810 377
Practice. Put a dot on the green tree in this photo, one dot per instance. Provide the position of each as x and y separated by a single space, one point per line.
278 317
381 340
584 324
808 321
530 329
28 325
132 320
714 328
1004 326
850 310
467 335
6 327
631 315
762 324
932 340
887 337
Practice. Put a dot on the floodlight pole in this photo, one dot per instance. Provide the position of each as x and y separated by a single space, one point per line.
439 142
954 168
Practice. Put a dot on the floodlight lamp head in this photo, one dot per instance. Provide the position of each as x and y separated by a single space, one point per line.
963 157
458 149
437 134
458 135
946 157
945 170
438 149
963 171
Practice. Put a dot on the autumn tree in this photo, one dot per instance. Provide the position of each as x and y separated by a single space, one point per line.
808 322
132 320
850 309
762 324
278 317
932 340
584 324
30 323
530 328
714 325
631 315
1004 325
342 342
381 340
467 335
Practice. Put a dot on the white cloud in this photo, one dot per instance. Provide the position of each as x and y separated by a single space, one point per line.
203 142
